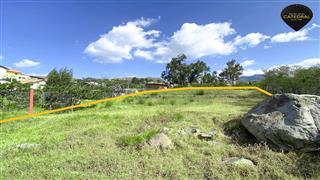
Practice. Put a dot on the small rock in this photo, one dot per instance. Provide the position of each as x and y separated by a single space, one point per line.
164 129
205 136
213 142
27 145
195 131
182 132
160 140
239 161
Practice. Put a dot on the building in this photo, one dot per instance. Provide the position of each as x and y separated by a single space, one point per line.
3 71
7 75
154 85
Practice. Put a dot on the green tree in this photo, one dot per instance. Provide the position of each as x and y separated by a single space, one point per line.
60 79
135 80
197 71
209 78
292 79
176 71
232 72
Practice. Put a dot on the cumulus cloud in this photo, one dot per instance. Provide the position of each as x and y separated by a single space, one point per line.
251 72
134 40
247 63
309 62
198 40
250 40
26 63
117 44
293 36
143 54
306 63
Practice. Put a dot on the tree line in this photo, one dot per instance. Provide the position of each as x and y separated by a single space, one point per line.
178 72
292 79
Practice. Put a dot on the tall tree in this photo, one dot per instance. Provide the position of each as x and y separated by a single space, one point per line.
210 78
177 70
197 71
232 72
60 79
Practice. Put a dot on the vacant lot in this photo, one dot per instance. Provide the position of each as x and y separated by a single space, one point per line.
107 141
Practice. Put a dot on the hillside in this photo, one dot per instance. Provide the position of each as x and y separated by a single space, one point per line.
108 141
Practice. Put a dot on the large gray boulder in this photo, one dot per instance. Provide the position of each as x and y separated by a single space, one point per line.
288 121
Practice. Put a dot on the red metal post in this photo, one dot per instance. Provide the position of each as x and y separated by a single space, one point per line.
31 101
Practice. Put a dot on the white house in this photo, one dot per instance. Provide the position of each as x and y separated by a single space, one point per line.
7 75
3 71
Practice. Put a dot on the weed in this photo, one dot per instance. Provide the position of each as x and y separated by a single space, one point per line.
137 139
108 104
200 93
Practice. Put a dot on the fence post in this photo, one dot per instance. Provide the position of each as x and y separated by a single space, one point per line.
31 101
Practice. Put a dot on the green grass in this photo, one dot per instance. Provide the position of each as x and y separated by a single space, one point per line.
108 141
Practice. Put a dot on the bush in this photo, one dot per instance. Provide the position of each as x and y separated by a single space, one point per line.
141 101
108 104
59 100
137 139
172 102
292 80
200 93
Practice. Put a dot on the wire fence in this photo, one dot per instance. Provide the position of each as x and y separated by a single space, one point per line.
16 102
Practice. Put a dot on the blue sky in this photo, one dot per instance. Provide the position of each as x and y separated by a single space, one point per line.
136 38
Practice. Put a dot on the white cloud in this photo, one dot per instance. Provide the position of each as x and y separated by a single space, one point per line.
247 63
132 39
306 63
26 63
117 44
293 36
198 40
290 36
266 46
143 54
251 40
251 72
309 62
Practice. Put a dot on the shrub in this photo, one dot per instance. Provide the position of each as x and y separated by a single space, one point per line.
108 104
200 93
137 139
172 102
141 101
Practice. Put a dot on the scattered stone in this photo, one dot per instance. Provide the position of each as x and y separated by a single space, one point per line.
239 161
182 132
164 130
288 121
195 131
27 145
160 140
213 142
205 136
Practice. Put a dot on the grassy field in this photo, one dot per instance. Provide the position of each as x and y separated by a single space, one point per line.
107 141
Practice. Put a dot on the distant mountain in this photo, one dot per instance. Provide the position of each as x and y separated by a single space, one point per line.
252 78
